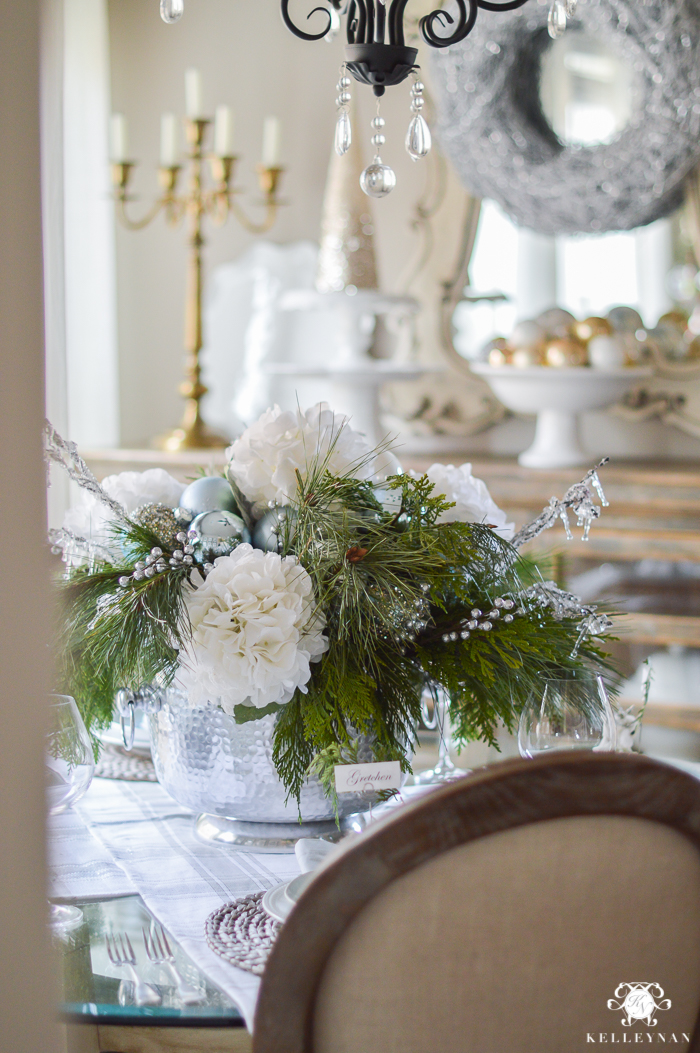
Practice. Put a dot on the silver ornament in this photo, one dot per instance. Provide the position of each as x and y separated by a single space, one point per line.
213 534
209 494
160 520
272 530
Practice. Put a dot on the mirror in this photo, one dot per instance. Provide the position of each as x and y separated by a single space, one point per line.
586 90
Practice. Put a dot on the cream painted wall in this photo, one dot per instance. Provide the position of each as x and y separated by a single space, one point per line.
250 60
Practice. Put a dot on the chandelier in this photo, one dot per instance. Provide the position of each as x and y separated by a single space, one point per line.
376 54
376 51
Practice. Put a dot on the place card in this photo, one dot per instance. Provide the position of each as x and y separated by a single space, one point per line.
357 778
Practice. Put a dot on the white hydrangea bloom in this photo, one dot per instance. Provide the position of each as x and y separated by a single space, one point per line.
90 518
255 629
264 460
473 502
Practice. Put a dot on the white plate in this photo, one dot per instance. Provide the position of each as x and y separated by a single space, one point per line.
279 901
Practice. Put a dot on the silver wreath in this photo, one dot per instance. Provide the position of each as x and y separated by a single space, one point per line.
493 128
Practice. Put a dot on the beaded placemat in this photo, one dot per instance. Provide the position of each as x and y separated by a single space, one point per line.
116 763
243 933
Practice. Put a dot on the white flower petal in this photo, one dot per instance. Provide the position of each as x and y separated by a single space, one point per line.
265 459
473 502
254 631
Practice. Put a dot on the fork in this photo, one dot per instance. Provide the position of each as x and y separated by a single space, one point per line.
160 953
121 954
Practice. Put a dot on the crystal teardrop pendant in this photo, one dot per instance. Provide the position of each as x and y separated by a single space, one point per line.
343 134
171 10
556 20
378 179
418 138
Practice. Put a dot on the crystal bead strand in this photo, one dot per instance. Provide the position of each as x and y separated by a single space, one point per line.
556 20
171 10
343 128
418 138
378 179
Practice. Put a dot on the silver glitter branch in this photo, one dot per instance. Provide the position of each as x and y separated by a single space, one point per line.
65 454
579 499
567 605
72 546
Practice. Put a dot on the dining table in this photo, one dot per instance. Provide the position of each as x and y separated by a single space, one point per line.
128 856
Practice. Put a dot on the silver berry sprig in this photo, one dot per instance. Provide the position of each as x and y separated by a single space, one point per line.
157 562
504 609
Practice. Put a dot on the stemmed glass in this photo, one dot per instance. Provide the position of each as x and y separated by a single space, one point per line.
568 714
445 770
69 765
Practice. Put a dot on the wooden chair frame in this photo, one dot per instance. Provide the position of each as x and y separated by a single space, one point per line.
504 796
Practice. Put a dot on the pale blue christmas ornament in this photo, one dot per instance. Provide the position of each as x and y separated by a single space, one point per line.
210 494
215 534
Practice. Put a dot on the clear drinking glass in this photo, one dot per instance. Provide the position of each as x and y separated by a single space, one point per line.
568 714
445 770
69 760
69 765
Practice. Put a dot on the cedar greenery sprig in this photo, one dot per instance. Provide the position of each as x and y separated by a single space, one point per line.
111 636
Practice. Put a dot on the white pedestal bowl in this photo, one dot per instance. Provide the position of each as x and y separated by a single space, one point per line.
558 396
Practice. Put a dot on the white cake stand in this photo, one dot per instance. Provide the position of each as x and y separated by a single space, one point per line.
558 397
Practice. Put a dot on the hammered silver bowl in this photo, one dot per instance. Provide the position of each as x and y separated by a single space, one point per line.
209 763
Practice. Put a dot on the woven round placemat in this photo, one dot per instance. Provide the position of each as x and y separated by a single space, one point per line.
115 763
243 933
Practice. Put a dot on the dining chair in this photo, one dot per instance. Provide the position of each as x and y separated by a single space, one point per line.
541 906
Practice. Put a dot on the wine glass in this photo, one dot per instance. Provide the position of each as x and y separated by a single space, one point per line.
568 714
69 765
445 770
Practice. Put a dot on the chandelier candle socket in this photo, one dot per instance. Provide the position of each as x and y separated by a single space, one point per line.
193 205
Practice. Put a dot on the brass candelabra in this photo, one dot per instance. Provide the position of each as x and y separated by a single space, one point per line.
196 203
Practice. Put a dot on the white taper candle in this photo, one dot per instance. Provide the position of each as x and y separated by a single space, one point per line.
272 141
168 140
223 131
193 93
118 140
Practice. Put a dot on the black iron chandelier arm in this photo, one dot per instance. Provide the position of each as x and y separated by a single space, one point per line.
300 32
465 24
509 5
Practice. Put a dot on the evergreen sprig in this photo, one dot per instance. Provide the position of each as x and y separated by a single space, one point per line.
112 636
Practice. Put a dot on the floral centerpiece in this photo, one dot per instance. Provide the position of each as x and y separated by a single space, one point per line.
311 585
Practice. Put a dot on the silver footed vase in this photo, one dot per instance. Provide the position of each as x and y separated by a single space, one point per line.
209 763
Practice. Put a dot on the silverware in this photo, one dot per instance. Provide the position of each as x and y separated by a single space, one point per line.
121 954
160 953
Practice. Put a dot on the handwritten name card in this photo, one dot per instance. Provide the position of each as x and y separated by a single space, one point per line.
357 778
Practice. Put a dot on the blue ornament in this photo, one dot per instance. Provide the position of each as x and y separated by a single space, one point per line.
212 493
215 534
270 531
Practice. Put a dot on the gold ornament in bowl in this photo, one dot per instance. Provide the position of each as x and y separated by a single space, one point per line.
676 318
526 357
565 353
498 351
591 327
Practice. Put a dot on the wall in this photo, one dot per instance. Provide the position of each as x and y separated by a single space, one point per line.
250 60
25 985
